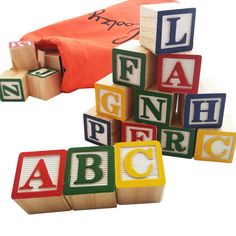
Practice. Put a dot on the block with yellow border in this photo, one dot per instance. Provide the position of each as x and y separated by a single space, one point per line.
113 101
215 145
140 176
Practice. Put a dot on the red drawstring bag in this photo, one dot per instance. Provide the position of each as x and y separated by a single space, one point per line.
85 42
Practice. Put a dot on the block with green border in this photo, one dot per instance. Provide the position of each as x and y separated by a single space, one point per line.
13 86
133 65
179 142
153 107
90 178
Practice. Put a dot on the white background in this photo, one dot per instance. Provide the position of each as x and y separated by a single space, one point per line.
200 197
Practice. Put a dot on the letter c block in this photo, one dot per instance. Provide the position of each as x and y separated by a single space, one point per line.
215 145
140 176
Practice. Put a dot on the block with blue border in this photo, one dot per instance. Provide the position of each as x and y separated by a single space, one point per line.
204 110
167 27
101 130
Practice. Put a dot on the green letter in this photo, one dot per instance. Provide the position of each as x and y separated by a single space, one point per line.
124 68
148 103
177 141
83 165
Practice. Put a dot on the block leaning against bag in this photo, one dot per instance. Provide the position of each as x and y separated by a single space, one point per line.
85 42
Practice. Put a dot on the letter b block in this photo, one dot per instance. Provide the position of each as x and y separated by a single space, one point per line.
140 174
167 28
38 184
90 178
113 101
215 145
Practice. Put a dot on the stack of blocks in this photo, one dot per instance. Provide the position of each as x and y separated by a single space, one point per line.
154 92
32 74
89 177
151 95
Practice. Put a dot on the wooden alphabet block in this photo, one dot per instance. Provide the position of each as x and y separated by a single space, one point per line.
113 101
23 55
133 65
177 142
90 178
38 184
41 58
167 27
204 110
53 61
134 131
140 176
178 72
216 144
153 107
100 130
13 86
44 83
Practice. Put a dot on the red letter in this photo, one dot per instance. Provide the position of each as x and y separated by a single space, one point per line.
43 176
135 134
178 73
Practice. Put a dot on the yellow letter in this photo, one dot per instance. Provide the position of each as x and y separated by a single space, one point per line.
128 163
209 143
114 108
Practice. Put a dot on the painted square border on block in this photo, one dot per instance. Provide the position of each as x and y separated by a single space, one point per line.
61 172
43 77
199 96
137 125
139 182
110 187
107 123
139 92
196 76
199 144
160 14
114 90
139 55
21 90
192 140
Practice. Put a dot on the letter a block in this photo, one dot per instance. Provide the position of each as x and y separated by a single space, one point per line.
38 184
133 65
178 73
90 178
134 131
13 86
153 107
44 83
23 55
167 28
140 176
113 101
177 141
215 145
101 130
204 110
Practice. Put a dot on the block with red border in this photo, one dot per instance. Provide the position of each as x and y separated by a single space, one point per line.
38 184
135 131
178 72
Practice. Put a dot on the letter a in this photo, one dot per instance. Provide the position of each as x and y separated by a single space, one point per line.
40 173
